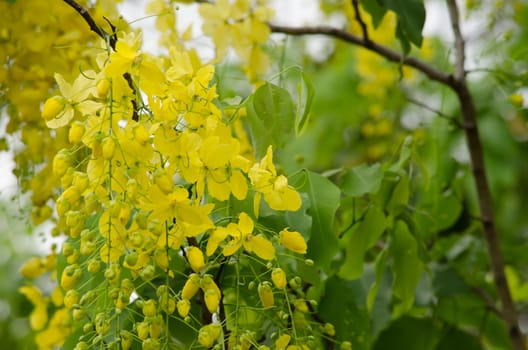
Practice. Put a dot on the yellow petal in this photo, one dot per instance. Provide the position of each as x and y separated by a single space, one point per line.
245 223
239 185
261 247
293 241
195 258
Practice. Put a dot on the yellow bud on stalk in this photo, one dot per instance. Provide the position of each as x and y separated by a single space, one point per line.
209 334
293 240
212 300
142 329
279 278
52 107
196 258
76 132
103 86
191 286
108 147
32 268
183 306
150 308
71 298
266 294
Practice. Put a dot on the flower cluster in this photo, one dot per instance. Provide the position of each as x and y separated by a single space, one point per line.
156 200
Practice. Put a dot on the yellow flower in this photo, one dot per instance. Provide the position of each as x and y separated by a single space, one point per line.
277 193
241 235
293 240
59 111
39 316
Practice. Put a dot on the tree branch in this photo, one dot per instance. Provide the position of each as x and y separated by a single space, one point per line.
112 40
460 49
388 53
469 117
88 19
359 19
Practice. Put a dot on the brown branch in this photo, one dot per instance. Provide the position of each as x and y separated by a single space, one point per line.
438 113
469 117
110 39
460 49
390 54
359 19
88 19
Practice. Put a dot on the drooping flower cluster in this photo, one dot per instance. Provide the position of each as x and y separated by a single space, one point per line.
155 200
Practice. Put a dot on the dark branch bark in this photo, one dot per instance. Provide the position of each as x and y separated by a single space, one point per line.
388 53
110 39
469 117
359 19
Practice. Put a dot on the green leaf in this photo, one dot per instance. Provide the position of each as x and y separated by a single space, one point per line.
324 200
381 263
363 236
362 179
406 265
342 305
306 92
411 19
271 118
375 10
410 334
399 197
458 339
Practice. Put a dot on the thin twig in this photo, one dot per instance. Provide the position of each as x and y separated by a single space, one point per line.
469 117
490 305
87 18
438 113
460 50
390 54
110 39
359 19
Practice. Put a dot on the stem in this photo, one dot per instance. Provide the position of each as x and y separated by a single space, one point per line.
469 117
390 54
112 40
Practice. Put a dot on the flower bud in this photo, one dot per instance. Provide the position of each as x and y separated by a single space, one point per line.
53 107
266 294
212 299
293 241
191 286
279 278
183 306
196 258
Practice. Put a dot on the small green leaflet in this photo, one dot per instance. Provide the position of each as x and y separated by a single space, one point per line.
364 235
406 265
411 19
305 92
324 200
362 179
271 117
